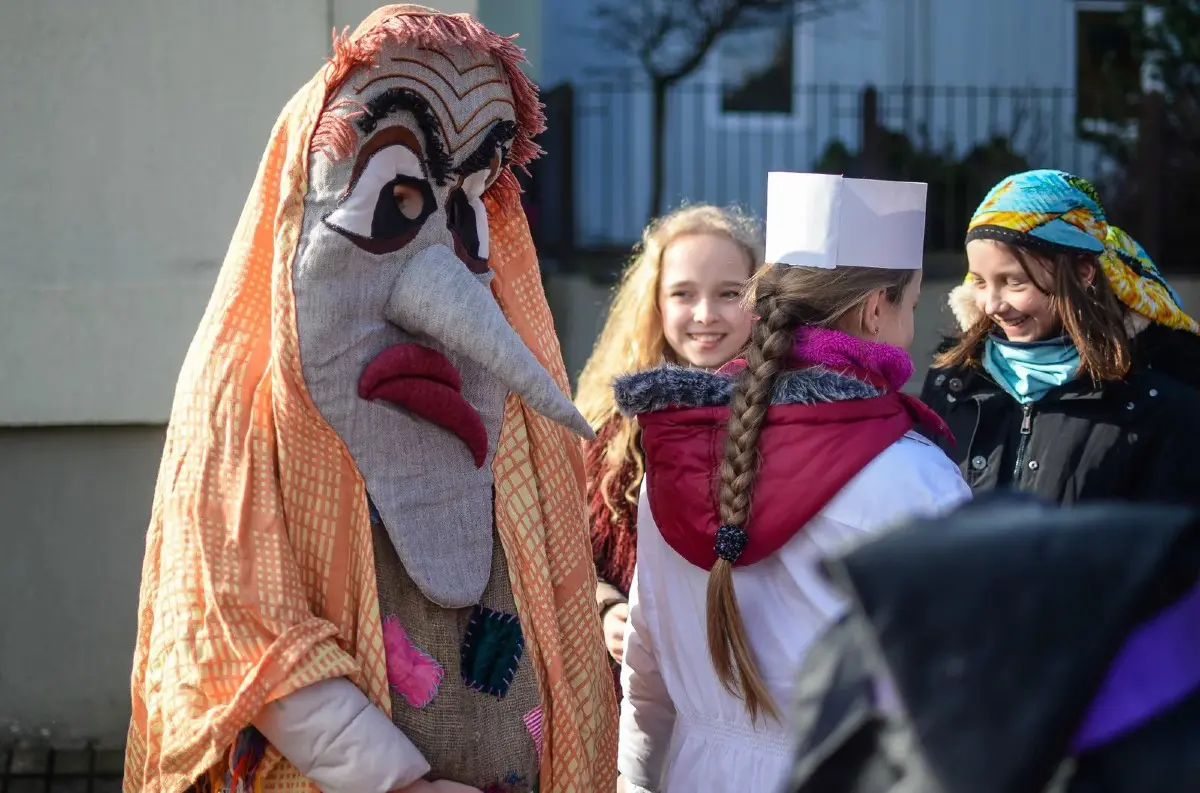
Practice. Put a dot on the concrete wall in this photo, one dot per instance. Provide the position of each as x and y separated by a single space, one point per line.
76 502
128 153
520 17
132 132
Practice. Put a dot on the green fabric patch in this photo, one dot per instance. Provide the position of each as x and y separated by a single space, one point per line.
491 651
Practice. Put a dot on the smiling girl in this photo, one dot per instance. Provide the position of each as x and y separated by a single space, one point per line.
804 446
1050 387
678 302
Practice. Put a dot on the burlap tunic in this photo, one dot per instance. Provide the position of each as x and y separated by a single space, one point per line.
471 736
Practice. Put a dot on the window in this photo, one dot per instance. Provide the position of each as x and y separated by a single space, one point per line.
1107 74
757 62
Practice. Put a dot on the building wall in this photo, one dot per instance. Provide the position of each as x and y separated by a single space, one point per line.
126 161
76 505
132 134
967 51
520 17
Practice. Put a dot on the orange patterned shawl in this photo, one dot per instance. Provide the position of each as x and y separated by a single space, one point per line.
259 576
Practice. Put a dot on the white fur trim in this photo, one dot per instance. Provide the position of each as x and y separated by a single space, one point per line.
962 303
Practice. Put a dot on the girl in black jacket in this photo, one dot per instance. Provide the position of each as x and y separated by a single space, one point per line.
1052 385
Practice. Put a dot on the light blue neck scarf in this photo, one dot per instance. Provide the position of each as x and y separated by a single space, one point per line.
1027 370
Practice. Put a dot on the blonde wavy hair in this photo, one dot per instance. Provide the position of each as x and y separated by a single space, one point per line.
633 340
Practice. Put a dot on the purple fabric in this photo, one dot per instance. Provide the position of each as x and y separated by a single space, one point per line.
1158 667
835 350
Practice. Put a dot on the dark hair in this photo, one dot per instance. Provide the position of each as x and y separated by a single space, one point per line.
784 299
1091 315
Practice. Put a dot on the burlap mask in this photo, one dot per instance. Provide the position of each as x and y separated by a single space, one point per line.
393 261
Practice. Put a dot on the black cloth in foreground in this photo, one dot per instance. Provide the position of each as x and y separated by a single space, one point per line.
978 645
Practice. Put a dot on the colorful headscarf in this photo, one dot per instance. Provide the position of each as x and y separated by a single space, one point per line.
1056 212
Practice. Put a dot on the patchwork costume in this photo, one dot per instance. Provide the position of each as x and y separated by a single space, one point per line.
368 477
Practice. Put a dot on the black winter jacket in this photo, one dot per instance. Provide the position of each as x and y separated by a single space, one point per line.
1175 353
1138 439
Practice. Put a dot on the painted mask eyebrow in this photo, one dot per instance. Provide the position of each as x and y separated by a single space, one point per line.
481 159
395 100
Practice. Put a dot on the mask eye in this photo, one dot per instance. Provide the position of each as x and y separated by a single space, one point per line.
466 217
387 204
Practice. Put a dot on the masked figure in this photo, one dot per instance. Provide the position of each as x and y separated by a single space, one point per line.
368 561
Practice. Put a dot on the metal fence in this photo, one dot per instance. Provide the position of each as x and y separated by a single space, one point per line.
44 770
598 185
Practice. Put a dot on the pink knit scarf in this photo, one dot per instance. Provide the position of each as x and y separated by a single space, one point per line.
835 350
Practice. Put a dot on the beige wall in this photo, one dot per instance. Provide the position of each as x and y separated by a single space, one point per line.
522 17
351 12
132 132
76 502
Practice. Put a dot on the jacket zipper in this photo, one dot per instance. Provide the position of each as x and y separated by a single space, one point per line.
1026 431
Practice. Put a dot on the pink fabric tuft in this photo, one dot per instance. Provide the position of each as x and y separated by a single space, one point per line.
334 137
413 673
833 349
533 723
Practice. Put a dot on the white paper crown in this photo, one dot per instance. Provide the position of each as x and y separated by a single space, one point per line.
817 220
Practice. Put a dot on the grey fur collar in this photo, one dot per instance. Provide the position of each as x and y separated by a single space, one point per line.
676 386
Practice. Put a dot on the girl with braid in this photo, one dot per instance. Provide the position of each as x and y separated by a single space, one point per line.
679 301
758 470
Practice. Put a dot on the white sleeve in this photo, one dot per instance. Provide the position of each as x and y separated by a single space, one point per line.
945 489
647 712
334 736
953 494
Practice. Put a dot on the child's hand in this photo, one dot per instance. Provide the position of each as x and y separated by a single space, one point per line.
614 629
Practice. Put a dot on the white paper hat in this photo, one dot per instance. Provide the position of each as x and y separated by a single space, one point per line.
817 220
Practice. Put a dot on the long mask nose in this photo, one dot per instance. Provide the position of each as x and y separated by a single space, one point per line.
437 296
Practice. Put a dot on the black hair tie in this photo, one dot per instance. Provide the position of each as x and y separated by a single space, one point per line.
731 541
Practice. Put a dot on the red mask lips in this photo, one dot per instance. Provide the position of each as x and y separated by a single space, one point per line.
424 382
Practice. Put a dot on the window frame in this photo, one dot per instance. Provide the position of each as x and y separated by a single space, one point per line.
1093 123
801 77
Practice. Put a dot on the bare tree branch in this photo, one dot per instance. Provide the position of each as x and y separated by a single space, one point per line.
672 38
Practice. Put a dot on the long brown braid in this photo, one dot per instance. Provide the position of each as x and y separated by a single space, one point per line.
784 299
